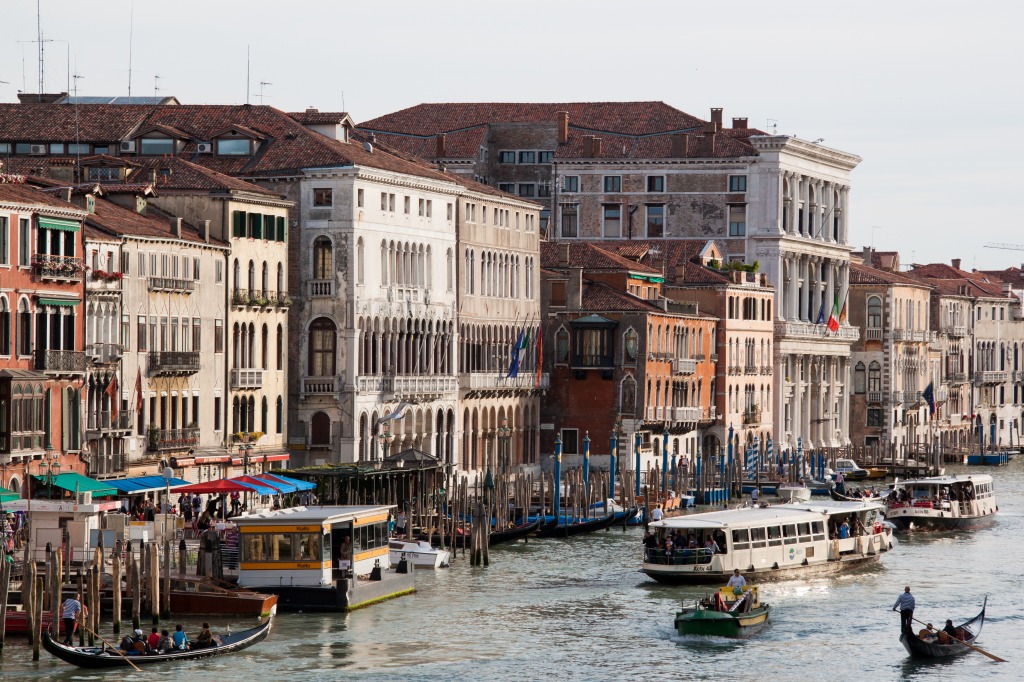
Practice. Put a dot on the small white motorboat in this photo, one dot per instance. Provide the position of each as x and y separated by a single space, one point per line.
420 554
794 492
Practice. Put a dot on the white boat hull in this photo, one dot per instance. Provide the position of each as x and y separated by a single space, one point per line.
418 555
794 494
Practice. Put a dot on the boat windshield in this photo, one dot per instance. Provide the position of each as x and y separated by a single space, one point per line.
680 546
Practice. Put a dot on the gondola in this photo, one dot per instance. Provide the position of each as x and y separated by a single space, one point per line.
839 497
933 648
101 657
553 529
496 537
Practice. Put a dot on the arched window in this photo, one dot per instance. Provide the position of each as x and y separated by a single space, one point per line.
322 339
265 280
323 258
449 271
859 378
630 346
279 416
5 327
360 261
280 281
264 424
265 349
24 328
236 423
280 348
874 376
562 346
874 312
320 430
252 276
236 271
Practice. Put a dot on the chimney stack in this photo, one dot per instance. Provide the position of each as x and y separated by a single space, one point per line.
596 149
563 255
176 226
439 151
204 230
574 290
706 143
588 146
956 263
679 145
739 123
563 127
67 194
716 118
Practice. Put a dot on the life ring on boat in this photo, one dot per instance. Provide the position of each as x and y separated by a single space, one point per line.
877 528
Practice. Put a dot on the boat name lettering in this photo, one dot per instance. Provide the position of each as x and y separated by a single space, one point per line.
701 568
303 565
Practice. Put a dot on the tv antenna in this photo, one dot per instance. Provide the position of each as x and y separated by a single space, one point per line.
156 84
773 124
262 83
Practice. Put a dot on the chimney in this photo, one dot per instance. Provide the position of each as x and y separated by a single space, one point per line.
596 149
204 230
867 255
680 272
574 289
716 117
956 263
563 255
588 146
439 149
563 127
706 143
679 145
739 123
67 194
176 226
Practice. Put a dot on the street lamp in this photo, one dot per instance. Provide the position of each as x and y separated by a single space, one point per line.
386 439
617 433
52 471
504 434
168 474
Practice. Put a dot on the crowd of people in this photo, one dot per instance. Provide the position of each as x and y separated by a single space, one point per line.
678 544
163 642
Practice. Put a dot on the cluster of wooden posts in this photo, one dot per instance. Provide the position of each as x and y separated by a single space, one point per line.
146 578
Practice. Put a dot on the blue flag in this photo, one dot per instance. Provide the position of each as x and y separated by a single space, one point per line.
821 313
513 365
929 397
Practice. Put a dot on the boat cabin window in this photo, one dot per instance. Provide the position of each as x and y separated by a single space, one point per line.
774 536
370 536
789 533
804 530
740 539
282 547
818 528
757 537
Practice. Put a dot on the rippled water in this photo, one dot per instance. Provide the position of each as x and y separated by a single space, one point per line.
579 609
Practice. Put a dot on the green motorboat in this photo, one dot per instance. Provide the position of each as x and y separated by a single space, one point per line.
729 612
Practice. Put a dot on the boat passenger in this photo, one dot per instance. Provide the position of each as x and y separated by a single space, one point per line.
165 644
736 580
180 639
656 513
153 640
844 531
135 645
711 546
949 632
205 640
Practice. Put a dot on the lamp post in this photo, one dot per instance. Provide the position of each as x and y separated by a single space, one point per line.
52 469
504 435
168 474
664 461
386 439
586 461
613 451
728 492
558 477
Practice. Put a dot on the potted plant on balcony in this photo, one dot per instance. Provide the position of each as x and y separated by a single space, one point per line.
260 299
153 436
283 300
240 297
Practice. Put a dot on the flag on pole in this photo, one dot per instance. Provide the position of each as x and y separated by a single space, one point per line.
929 397
115 397
833 317
842 313
513 365
540 358
138 392
397 414
821 313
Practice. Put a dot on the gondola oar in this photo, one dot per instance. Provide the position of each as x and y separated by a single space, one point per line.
969 646
118 651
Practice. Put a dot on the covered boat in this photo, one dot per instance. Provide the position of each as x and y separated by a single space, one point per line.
794 492
938 644
103 657
729 612
942 503
420 553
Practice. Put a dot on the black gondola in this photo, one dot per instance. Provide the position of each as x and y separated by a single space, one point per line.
919 648
101 657
497 537
552 529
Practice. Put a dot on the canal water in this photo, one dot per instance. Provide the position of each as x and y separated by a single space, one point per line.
579 610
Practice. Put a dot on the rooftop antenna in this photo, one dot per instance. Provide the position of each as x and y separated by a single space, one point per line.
773 124
343 101
131 34
156 84
39 30
78 146
262 83
246 74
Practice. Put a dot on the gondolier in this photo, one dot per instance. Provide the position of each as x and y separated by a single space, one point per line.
69 612
905 605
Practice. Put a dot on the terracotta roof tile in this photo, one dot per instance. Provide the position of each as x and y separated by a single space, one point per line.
863 274
589 257
599 297
17 192
120 221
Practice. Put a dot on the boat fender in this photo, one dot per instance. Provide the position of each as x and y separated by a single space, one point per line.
751 568
804 562
775 565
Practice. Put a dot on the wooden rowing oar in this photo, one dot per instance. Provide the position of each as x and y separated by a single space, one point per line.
119 652
969 646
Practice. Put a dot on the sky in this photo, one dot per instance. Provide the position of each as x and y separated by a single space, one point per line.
927 93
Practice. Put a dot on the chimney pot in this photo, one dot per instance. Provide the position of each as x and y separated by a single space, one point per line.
563 127
739 123
956 263
204 230
596 148
716 117
588 146
679 145
440 150
176 226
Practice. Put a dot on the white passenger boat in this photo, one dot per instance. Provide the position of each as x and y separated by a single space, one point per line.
942 503
794 492
765 543
421 554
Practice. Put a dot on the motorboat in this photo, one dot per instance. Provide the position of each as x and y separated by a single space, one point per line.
729 612
850 470
794 492
418 552
942 502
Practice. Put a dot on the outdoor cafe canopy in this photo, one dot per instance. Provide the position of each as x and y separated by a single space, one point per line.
223 486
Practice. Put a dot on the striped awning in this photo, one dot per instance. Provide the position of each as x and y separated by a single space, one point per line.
59 224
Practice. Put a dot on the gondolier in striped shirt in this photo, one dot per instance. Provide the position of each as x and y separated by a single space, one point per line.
905 605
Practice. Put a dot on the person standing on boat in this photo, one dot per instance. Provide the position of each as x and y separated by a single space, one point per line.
657 514
736 580
754 495
905 605
69 612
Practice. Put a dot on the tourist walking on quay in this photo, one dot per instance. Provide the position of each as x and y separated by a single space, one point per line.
69 612
905 605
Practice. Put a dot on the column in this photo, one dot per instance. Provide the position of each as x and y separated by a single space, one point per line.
830 286
804 288
844 197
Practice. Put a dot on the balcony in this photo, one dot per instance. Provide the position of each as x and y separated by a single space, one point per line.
1017 376
956 377
161 440
750 369
108 464
280 299
687 414
806 330
875 397
58 268
752 416
331 385
246 379
684 366
499 381
873 334
103 353
766 370
713 357
102 281
321 288
897 397
184 286
912 398
60 361
941 394
991 377
735 370
240 297
101 422
954 330
174 362
409 386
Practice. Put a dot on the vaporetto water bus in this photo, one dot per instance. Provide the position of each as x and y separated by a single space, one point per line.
766 543
942 502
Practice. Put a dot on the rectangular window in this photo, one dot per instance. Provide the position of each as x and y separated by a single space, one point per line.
78 148
3 240
126 262
451 211
407 205
323 196
570 220
544 189
156 146
570 441
57 148
613 183
359 198
874 416
218 336
236 147
391 202
506 157
545 157
126 332
527 157
197 335
383 201
216 413
280 228
737 183
655 221
142 264
422 207
24 247
571 183
612 214
218 271
152 264
656 183
527 189
140 337
509 187
195 269
430 207
737 220
238 223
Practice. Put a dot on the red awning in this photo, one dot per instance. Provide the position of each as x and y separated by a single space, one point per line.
214 459
271 458
221 486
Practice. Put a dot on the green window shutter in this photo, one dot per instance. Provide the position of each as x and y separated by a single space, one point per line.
239 229
271 222
280 229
